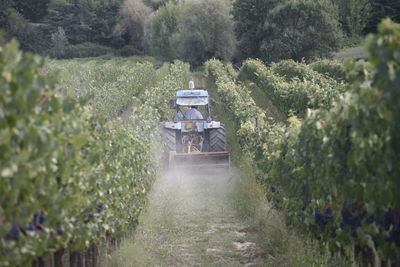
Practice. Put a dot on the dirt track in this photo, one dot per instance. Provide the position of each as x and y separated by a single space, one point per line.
191 221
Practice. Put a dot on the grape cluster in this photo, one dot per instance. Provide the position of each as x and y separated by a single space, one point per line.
36 224
323 217
391 223
100 208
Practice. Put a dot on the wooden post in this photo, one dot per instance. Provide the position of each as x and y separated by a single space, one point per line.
58 258
91 256
76 259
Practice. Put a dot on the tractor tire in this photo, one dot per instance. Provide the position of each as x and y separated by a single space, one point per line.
217 140
169 140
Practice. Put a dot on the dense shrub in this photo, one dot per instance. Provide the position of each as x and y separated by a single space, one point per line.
335 172
330 68
129 50
293 87
87 50
70 172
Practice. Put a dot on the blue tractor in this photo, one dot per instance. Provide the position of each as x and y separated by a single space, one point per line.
193 138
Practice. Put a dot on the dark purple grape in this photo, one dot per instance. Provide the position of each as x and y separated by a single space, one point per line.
37 221
323 218
388 219
370 219
14 233
101 207
89 218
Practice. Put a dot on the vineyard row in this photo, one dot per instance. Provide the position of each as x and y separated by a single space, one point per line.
332 167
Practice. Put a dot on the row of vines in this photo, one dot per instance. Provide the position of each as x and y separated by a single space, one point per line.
333 165
72 170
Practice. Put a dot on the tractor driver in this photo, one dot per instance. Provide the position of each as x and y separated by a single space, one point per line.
192 114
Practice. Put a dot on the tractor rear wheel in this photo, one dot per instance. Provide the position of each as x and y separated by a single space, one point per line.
169 144
217 140
169 140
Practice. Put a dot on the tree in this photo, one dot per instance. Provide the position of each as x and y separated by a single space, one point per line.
133 14
161 27
32 10
156 4
86 21
249 17
293 29
205 31
30 36
354 15
59 39
5 13
301 29
382 9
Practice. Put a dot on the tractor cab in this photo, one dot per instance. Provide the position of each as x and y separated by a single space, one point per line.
192 105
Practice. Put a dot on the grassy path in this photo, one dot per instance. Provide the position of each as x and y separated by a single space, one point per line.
191 221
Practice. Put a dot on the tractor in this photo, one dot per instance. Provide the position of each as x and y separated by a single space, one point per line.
193 138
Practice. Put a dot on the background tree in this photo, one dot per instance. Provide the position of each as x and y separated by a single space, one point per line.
205 31
85 21
194 29
31 37
5 12
161 29
249 17
133 14
301 29
382 9
292 29
32 10
156 4
59 40
354 16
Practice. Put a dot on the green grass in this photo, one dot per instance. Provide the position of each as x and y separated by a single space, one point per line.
190 221
281 246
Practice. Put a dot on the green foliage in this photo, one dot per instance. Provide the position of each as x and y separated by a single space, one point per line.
236 98
293 87
382 9
300 29
163 26
249 17
156 4
330 68
33 10
354 15
192 31
5 13
113 85
129 50
290 29
84 50
69 176
32 38
334 173
87 50
131 23
206 31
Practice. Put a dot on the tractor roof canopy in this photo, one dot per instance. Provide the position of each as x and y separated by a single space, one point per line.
192 98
